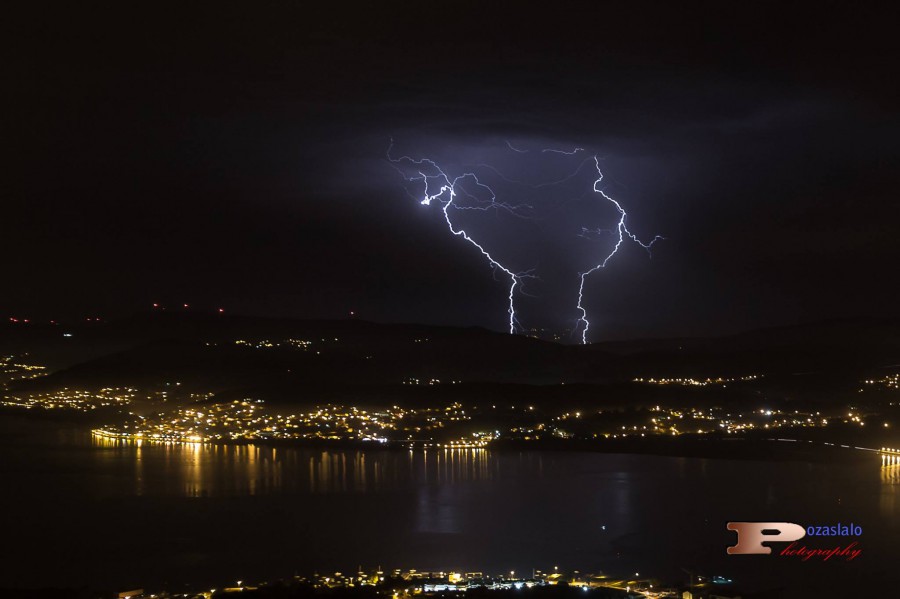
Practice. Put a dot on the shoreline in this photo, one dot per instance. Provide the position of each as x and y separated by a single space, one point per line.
684 446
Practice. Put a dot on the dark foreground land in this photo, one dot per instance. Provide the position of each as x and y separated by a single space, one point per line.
303 591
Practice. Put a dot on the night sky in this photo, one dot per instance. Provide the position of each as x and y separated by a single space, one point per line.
236 156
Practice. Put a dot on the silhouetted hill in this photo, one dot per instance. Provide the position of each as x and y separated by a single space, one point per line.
300 357
841 345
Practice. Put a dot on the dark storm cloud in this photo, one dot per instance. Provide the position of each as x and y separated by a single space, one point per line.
236 156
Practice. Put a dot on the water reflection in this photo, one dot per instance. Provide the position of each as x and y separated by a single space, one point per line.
889 461
474 508
890 485
203 470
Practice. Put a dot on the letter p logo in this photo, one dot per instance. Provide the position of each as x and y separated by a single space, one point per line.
752 535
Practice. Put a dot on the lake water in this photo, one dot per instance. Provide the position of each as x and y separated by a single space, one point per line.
83 511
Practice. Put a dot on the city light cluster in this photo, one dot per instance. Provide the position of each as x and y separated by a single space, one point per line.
399 583
660 420
253 420
16 368
891 381
73 399
695 382
453 426
249 420
269 344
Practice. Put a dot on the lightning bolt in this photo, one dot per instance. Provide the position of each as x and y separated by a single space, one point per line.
622 230
567 153
441 187
514 149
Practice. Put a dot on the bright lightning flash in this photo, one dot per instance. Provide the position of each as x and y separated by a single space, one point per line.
441 187
623 232
438 185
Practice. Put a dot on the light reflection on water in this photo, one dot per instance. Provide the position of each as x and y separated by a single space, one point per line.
203 470
197 508
209 470
889 505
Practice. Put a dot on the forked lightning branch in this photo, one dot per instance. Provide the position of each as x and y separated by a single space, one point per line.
434 184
